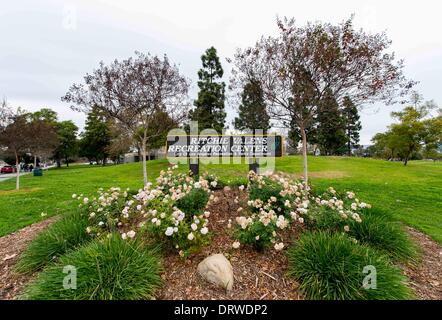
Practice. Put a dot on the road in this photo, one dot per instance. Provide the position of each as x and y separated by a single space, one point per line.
6 176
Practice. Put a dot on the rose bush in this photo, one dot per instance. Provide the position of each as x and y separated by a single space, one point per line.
172 211
275 202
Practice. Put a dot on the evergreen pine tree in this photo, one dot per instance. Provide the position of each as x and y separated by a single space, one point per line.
294 135
252 113
331 127
96 137
209 111
352 124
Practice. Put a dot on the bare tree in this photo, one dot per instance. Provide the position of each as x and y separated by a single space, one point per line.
132 91
296 69
43 139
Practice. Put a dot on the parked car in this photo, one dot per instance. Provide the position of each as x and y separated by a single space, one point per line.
8 169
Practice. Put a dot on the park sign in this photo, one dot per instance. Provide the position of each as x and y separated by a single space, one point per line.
243 146
223 148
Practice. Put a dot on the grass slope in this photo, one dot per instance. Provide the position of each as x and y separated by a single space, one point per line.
412 194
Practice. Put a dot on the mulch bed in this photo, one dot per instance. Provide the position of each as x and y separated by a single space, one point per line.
257 275
11 246
426 276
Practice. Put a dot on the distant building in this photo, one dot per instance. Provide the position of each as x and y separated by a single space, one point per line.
156 154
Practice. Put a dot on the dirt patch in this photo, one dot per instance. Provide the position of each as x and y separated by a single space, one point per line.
328 174
11 246
319 174
23 190
426 277
256 275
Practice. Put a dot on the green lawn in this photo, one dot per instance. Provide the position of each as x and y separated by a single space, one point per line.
412 194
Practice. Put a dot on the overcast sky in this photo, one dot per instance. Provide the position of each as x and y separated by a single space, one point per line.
48 45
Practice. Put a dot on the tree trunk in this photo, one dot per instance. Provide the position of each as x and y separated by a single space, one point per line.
67 162
139 151
304 155
405 161
143 151
17 166
35 161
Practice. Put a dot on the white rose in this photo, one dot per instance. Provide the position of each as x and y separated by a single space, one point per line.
236 245
190 236
194 226
169 231
204 230
363 205
131 234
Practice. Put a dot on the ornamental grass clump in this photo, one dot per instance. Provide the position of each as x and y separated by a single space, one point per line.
383 233
330 266
108 268
62 236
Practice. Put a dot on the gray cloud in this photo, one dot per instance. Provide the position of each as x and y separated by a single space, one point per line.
48 45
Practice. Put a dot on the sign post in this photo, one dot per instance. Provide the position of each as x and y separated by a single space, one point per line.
254 165
194 167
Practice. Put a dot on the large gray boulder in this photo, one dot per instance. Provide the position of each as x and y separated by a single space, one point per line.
217 270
